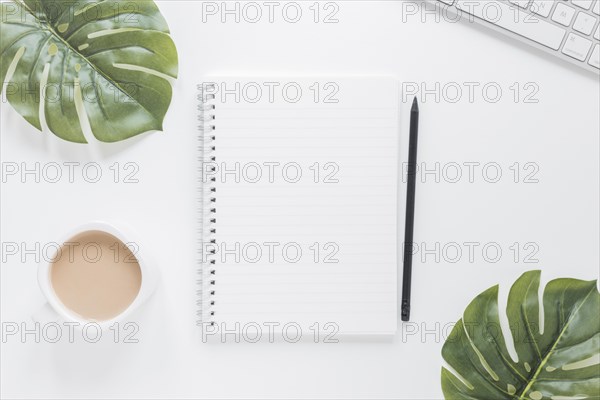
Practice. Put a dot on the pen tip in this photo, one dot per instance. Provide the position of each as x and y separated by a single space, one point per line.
415 105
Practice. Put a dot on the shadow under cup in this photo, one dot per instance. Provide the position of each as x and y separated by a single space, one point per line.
95 275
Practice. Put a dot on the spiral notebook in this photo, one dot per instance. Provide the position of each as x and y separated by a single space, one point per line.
298 205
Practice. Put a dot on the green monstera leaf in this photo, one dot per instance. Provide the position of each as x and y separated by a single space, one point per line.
106 62
558 355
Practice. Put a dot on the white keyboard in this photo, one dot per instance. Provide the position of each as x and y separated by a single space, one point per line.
569 29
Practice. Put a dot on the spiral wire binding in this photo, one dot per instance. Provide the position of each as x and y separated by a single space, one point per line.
207 199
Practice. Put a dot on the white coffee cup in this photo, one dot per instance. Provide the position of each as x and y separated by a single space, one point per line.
55 310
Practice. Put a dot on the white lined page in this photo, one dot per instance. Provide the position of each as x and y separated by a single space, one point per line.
319 247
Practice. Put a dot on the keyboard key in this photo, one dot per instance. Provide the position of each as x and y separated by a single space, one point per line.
585 4
584 23
577 47
515 20
597 34
595 58
563 14
542 7
521 3
596 8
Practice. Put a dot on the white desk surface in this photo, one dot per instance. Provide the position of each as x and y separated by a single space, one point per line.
559 135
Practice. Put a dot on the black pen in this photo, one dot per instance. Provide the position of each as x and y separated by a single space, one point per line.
410 209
